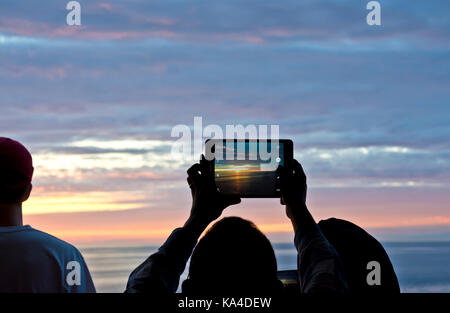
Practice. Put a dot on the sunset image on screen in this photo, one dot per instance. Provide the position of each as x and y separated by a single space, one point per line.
245 173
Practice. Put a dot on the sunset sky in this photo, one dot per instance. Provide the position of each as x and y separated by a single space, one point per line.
367 107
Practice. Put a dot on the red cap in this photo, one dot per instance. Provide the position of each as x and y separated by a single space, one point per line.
14 157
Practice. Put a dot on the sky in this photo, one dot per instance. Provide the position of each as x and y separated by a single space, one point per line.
367 108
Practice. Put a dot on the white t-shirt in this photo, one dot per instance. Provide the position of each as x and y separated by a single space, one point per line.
33 261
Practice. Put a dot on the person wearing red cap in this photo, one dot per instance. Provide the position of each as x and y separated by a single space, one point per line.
31 260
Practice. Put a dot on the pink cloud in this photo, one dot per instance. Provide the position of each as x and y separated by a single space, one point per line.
26 28
23 27
55 72
105 5
162 21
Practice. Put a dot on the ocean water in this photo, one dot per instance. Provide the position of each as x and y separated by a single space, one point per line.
420 266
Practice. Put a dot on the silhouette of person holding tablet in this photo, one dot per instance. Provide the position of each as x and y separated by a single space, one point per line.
234 257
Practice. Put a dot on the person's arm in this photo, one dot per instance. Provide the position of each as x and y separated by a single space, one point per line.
89 286
319 266
86 285
160 273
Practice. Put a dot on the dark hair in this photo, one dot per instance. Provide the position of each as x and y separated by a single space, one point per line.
233 257
356 249
12 186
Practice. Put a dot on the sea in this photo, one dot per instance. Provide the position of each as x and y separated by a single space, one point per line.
420 266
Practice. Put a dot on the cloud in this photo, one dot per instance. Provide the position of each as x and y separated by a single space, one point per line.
366 107
246 21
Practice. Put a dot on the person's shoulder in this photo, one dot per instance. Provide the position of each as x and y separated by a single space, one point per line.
53 242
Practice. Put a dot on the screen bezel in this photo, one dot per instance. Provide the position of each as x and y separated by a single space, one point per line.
288 157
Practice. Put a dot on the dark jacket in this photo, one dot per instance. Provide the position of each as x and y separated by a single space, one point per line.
357 249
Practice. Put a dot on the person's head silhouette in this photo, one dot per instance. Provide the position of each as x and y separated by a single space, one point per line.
233 257
357 249
16 173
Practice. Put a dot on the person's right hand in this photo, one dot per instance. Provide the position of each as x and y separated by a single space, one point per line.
207 202
293 189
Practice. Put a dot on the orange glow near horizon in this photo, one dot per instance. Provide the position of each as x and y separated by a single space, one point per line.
158 232
79 202
85 221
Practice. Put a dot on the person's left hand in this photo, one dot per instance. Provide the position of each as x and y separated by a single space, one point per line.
207 202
